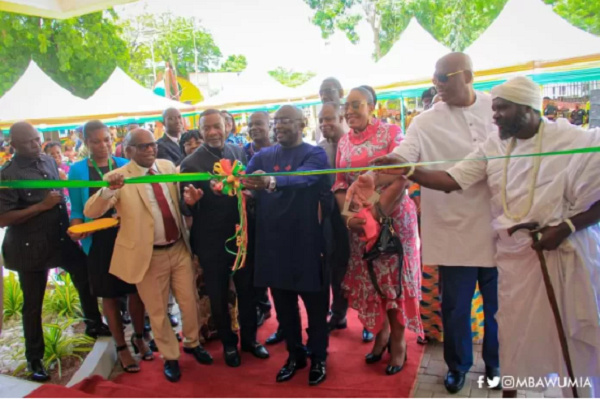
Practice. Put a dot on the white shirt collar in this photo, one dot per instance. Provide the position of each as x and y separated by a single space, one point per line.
145 170
173 139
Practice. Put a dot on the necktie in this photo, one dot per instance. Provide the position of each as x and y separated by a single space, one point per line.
171 229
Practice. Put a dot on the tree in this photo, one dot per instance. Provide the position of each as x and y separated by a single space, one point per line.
234 63
581 13
290 78
455 23
156 39
78 53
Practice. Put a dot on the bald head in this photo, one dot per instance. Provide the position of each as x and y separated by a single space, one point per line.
141 147
453 79
173 122
25 139
288 126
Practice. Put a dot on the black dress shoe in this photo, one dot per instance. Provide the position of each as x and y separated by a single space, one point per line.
260 317
289 369
178 336
96 330
152 345
174 321
454 381
367 336
201 355
318 372
232 356
172 371
275 338
257 350
334 324
126 317
38 371
493 374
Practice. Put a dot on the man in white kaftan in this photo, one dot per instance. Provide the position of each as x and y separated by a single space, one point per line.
566 197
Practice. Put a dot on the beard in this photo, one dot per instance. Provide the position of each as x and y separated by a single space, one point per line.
510 128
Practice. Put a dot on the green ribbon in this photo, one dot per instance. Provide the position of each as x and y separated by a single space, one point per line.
206 176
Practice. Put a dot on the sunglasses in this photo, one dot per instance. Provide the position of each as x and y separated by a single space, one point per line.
444 77
145 146
354 104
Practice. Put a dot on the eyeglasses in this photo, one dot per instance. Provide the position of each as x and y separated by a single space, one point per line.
285 121
144 146
444 77
354 104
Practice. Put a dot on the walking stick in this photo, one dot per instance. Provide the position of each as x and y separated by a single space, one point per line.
533 229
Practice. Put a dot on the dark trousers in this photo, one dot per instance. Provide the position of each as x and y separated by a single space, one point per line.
339 304
262 299
317 306
216 280
33 285
458 287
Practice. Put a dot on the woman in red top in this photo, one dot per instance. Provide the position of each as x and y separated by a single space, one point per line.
387 315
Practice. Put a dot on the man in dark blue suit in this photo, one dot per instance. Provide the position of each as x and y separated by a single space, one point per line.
168 144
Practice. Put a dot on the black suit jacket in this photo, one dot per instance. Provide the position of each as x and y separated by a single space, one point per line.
167 149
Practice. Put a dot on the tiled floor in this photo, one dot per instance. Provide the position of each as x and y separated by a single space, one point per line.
430 381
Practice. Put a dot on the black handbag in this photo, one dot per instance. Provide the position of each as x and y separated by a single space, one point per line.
388 243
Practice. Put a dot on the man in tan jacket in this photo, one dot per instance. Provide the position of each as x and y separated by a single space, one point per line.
150 250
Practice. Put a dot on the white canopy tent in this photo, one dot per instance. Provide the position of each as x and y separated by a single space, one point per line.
58 9
36 96
120 95
413 56
528 30
250 86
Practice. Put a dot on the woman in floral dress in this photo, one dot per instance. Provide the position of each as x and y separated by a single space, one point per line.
389 316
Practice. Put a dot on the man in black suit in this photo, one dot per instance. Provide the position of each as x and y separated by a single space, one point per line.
215 217
37 240
168 144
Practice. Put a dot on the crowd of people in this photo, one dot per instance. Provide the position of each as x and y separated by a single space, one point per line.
306 240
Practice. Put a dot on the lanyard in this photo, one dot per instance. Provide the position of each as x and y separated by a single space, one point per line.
95 165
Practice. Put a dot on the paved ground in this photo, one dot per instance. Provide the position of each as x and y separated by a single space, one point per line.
430 381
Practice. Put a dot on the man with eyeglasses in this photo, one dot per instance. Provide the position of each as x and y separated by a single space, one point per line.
150 250
214 220
290 242
456 227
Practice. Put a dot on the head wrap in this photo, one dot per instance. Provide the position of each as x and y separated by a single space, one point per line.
520 90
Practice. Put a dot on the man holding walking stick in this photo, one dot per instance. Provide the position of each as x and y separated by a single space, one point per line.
559 193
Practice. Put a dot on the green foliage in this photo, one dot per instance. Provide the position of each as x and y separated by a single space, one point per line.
234 63
63 300
288 77
13 297
585 14
455 23
78 53
180 41
59 345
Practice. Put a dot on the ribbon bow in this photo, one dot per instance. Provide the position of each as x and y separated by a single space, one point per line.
228 176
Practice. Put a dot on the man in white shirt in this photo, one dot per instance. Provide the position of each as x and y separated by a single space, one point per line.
456 227
560 194
150 249
168 144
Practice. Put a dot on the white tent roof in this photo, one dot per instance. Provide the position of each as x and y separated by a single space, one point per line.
528 30
57 8
413 56
251 86
37 96
121 95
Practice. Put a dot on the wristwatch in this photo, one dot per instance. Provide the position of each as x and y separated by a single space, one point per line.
272 183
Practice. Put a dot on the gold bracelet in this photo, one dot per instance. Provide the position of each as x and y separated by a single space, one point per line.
571 225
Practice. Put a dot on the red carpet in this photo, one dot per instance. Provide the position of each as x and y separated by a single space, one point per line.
347 374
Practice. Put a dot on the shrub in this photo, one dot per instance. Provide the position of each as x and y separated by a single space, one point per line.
63 300
13 297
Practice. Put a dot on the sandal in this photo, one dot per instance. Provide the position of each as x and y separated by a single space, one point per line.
146 356
131 368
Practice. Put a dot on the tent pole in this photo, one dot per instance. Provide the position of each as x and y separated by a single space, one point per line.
402 120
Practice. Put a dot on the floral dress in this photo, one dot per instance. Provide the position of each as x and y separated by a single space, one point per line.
358 150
